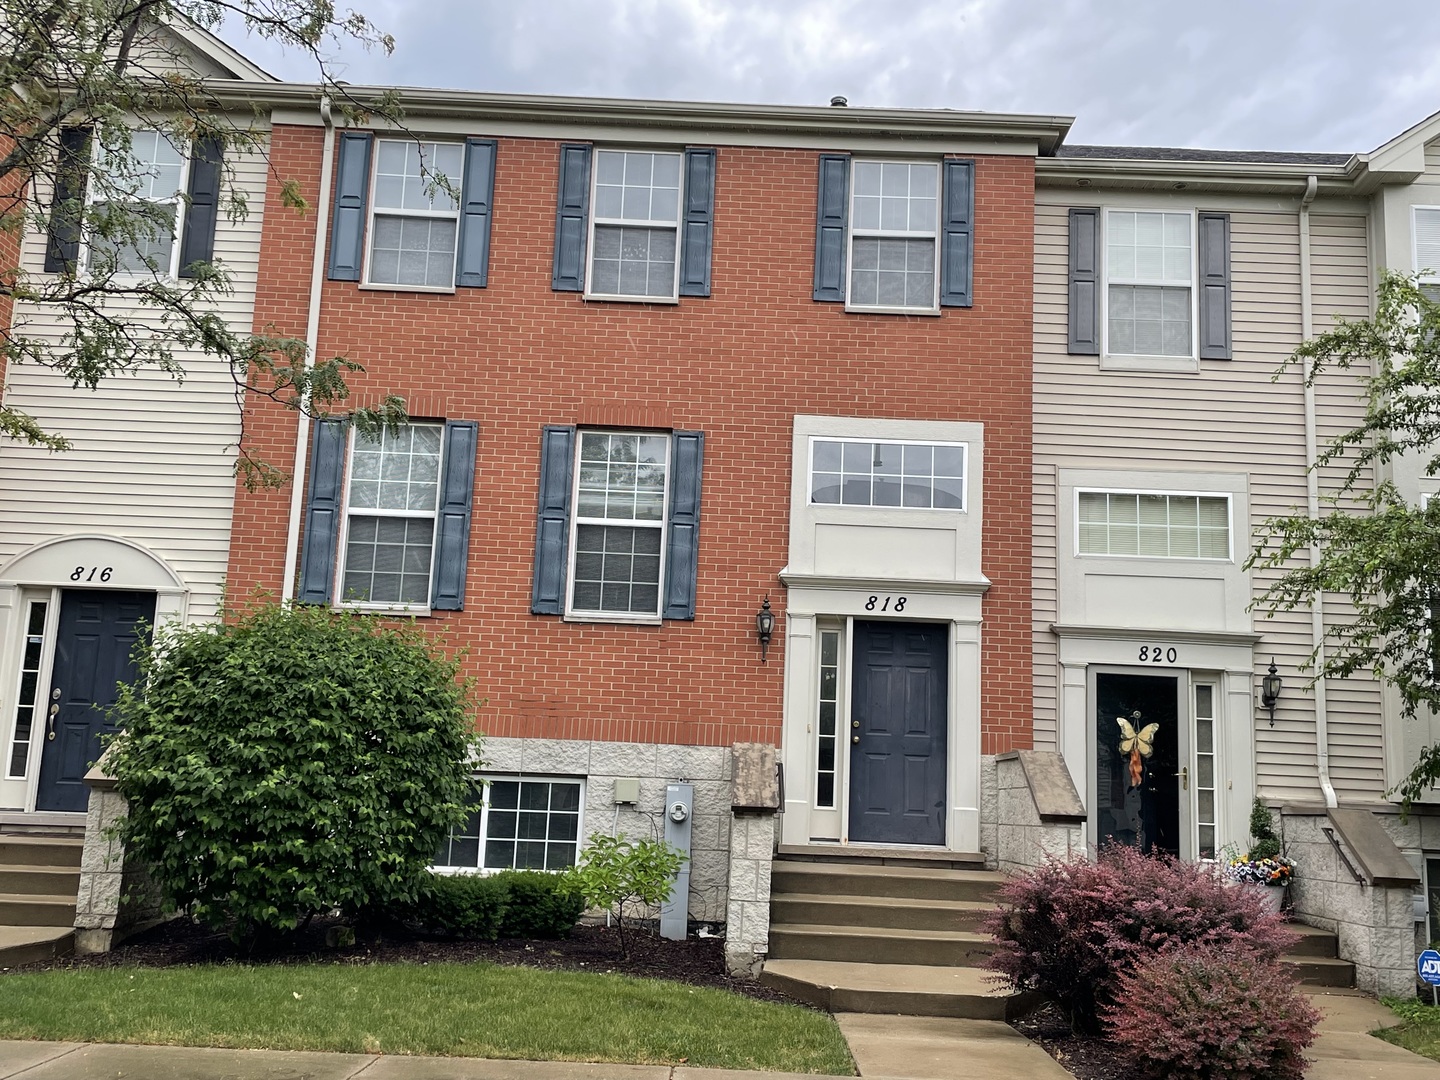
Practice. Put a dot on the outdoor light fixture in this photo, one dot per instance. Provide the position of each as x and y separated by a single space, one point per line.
1270 687
764 626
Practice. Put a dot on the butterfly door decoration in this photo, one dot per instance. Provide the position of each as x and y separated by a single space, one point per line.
1136 746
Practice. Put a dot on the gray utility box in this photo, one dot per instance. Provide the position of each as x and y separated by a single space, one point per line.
679 810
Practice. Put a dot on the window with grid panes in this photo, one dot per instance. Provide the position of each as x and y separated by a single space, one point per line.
414 218
855 472
619 523
1154 525
894 222
636 219
518 824
1149 271
392 495
147 183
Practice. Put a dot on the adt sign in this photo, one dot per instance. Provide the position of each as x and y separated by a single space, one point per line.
1428 965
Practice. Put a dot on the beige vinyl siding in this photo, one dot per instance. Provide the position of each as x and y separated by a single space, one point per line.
1432 157
153 458
1233 416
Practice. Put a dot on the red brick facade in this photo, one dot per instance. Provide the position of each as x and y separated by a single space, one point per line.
738 365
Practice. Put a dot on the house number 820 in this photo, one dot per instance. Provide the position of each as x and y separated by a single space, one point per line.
80 573
884 602
1157 655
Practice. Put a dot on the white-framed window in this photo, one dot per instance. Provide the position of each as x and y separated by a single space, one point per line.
635 225
391 498
617 541
894 236
29 709
518 823
1153 524
1149 283
1425 231
887 473
827 720
414 219
1207 819
152 174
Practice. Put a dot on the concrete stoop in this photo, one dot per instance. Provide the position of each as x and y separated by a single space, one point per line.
39 879
863 933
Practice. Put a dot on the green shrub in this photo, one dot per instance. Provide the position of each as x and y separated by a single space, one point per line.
291 761
462 905
1264 843
615 874
541 905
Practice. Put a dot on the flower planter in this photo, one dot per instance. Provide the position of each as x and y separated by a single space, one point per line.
1271 896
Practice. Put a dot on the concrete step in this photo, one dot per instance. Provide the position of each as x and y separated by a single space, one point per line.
36 909
896 911
33 944
52 880
911 989
23 849
1313 941
861 879
1321 970
880 945
847 854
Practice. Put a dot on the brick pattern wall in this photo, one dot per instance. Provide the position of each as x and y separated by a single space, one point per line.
738 365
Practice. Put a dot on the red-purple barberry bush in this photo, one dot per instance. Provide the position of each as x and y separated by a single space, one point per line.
1068 928
1203 1012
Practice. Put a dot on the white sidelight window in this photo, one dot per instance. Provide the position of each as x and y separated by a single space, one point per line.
1163 525
1149 276
414 218
635 225
894 226
29 709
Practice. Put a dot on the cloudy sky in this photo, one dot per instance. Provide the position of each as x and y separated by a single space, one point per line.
1330 75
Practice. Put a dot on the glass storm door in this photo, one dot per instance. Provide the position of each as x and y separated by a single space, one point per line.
1142 766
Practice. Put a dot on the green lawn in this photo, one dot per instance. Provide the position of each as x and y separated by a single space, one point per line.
1419 1031
472 1010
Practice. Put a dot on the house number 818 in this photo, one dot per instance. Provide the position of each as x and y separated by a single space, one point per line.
1157 655
884 603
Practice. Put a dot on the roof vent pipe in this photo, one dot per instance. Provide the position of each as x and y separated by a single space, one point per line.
838 102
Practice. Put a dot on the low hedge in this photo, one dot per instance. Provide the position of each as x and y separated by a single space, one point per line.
510 904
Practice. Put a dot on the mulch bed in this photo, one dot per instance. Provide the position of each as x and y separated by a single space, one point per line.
1087 1057
695 961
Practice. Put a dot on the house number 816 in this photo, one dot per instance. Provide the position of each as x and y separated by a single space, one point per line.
80 573
1157 655
884 602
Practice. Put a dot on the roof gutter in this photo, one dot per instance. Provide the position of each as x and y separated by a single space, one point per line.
312 341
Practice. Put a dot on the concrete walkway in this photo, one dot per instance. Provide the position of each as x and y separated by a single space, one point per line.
1345 1050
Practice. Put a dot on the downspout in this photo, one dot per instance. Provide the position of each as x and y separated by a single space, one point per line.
312 341
1312 499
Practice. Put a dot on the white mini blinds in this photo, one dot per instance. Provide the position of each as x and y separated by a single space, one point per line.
1427 242
1161 526
852 472
893 225
415 217
619 523
636 224
1149 277
390 519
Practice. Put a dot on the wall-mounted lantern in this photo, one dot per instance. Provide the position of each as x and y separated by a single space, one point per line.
764 626
1270 686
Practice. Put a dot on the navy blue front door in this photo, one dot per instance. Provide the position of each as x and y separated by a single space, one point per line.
899 721
97 632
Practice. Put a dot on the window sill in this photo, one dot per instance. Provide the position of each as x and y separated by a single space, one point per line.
611 619
855 309
438 290
385 610
608 299
1184 364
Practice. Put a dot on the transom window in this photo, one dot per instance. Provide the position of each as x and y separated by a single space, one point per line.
414 219
1149 266
635 224
1158 525
390 517
518 824
150 175
619 523
854 472
894 215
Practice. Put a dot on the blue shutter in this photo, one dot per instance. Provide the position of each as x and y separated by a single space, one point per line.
452 524
322 513
552 527
572 219
347 232
1214 286
62 242
472 268
832 214
957 234
682 545
1084 282
198 240
699 223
